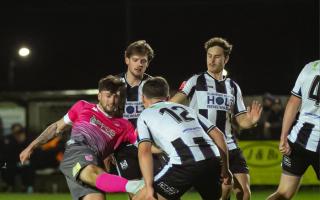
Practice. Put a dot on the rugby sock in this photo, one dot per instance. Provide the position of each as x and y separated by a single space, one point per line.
111 183
133 186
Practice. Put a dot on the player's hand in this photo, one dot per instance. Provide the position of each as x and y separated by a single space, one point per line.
284 147
25 155
108 162
149 194
254 112
227 178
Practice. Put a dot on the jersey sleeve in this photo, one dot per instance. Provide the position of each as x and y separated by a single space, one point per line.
131 135
143 130
296 91
205 123
188 86
239 106
73 112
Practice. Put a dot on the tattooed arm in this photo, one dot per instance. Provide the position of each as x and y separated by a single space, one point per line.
50 132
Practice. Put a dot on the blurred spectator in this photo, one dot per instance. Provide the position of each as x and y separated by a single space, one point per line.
14 143
1 129
267 102
2 163
270 122
1 144
273 123
49 155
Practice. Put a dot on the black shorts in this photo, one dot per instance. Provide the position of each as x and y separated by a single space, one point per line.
237 162
299 160
174 180
127 162
76 157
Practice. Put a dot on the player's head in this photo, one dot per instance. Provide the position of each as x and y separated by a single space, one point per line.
18 132
112 95
138 55
155 89
277 105
218 52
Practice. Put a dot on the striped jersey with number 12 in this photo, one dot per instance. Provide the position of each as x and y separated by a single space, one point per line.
179 131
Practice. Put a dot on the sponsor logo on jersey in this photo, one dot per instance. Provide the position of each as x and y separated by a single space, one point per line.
124 165
168 189
219 101
95 109
76 169
192 129
103 128
133 109
315 116
116 123
88 157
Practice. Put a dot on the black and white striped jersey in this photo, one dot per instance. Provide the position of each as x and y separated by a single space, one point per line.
134 105
306 132
218 101
179 131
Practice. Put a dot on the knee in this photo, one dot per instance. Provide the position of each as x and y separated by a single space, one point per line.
89 173
285 195
246 193
243 193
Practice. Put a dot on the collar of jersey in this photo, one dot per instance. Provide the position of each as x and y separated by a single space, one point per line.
125 78
106 114
156 103
223 77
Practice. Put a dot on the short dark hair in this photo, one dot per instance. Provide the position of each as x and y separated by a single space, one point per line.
114 84
221 42
17 128
156 87
140 47
110 83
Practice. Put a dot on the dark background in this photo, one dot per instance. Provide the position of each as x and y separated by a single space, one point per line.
74 43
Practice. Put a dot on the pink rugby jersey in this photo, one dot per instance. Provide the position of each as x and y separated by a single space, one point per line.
100 131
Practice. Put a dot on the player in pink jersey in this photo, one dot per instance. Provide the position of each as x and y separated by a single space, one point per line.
97 130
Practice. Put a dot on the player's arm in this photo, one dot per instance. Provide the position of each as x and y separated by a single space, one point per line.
50 132
156 150
184 90
250 118
132 137
179 97
145 155
290 113
218 138
146 165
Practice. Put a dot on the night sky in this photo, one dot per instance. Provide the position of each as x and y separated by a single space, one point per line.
75 43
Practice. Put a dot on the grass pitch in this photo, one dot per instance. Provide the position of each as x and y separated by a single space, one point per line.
306 194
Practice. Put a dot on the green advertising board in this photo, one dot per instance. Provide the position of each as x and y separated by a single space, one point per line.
264 161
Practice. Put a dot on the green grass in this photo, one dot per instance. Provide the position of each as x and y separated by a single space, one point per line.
256 195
